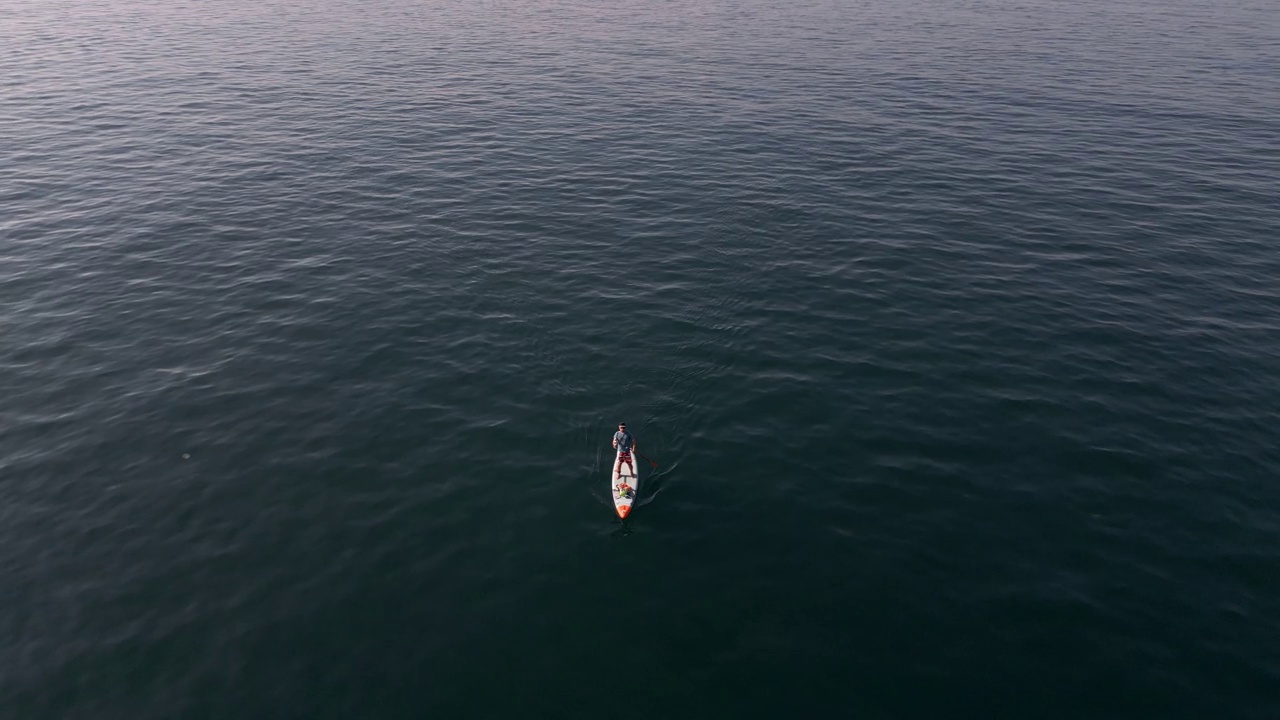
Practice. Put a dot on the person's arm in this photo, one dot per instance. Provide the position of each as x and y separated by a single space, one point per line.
615 441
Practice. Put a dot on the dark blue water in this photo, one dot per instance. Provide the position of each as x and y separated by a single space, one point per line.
952 326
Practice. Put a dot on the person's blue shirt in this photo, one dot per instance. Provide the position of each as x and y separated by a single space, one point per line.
624 440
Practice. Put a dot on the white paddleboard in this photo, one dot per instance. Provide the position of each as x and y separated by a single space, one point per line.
624 484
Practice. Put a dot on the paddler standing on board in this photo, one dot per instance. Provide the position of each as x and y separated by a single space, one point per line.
624 442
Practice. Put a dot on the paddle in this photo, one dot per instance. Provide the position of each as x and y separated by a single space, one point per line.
651 462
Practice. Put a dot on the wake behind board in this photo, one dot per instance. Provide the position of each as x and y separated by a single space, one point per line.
624 484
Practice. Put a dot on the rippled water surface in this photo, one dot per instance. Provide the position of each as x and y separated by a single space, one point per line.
952 327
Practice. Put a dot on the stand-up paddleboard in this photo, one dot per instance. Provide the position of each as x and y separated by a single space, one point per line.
624 484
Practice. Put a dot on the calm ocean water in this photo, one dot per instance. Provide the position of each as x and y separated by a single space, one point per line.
954 327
